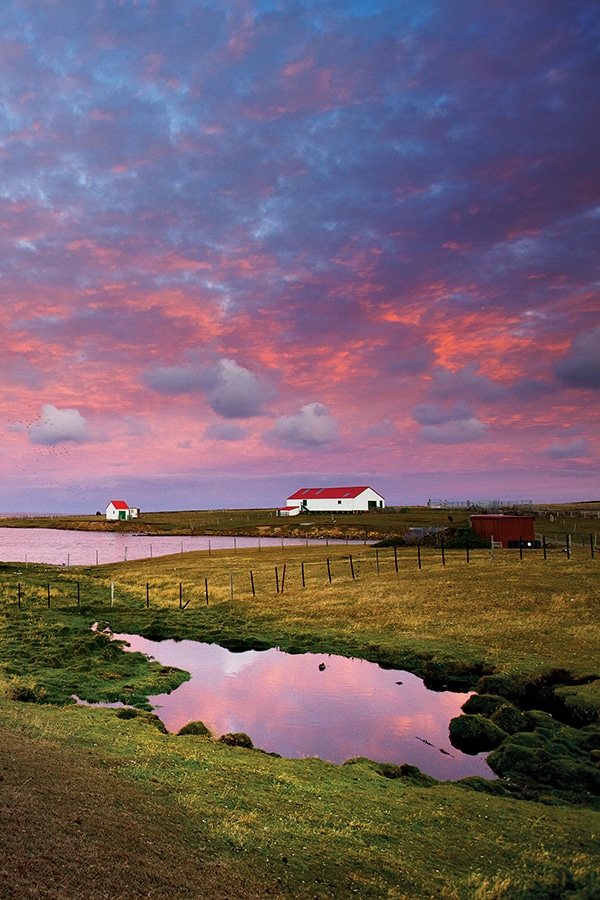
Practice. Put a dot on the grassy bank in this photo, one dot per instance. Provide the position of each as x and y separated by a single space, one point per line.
118 809
219 818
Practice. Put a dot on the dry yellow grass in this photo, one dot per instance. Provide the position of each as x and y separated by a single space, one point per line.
529 614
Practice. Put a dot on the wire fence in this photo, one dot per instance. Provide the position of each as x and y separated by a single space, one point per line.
230 581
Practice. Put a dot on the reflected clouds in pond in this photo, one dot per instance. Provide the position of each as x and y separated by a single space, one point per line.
301 705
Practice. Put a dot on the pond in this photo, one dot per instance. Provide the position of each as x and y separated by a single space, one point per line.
301 705
61 547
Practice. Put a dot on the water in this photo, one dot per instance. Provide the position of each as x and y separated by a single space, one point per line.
289 705
61 547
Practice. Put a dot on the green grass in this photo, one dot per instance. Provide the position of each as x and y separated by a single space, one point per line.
527 630
310 829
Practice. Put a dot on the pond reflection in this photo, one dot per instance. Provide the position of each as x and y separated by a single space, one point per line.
313 705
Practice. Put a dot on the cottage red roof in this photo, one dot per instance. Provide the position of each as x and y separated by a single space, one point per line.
335 493
119 504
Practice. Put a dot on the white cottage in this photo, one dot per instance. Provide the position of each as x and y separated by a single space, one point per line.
118 510
339 499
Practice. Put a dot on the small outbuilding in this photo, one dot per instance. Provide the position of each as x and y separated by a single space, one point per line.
331 500
118 510
288 511
510 531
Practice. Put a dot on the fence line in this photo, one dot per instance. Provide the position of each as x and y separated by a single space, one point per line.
310 573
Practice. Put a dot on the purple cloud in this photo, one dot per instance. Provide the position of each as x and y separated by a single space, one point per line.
436 414
448 424
59 426
223 431
578 448
460 431
231 390
311 426
581 367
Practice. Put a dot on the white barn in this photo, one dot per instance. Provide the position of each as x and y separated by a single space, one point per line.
118 510
338 499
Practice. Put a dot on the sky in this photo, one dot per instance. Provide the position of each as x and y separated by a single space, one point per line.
249 246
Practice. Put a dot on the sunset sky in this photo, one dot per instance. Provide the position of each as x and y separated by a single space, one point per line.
249 246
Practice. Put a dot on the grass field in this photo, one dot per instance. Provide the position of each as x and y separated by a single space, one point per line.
96 805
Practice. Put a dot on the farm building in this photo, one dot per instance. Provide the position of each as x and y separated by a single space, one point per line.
338 499
505 529
119 510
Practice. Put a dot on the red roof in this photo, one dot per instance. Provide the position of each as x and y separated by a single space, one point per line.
119 504
336 493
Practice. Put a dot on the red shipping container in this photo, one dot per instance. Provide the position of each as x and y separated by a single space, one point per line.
507 530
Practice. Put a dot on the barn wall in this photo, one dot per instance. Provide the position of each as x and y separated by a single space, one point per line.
345 504
504 528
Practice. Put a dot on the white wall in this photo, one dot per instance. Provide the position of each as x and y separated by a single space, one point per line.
342 504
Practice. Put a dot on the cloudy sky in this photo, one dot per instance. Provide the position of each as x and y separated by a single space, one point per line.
249 246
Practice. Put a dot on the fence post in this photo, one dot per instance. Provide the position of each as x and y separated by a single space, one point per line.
283 577
419 553
112 593
303 581
520 547
377 560
19 595
544 544
276 579
568 546
147 596
231 584
180 595
328 570
252 583
396 558
352 567
443 554
206 589
78 593
48 595
591 545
